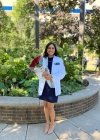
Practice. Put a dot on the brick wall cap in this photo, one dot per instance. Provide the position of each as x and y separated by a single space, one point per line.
30 101
80 95
18 101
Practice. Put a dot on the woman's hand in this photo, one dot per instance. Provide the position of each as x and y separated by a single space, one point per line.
46 75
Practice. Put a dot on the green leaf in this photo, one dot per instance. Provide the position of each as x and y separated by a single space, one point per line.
2 86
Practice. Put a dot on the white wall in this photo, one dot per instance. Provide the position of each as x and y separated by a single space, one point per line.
8 2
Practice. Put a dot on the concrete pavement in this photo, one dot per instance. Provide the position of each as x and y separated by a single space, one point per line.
83 127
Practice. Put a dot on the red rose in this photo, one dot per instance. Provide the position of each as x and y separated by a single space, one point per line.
35 61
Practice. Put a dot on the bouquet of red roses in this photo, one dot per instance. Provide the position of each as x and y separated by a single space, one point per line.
36 66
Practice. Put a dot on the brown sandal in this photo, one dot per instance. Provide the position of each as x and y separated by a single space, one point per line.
51 128
46 128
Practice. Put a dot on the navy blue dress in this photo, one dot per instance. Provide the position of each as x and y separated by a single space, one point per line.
48 93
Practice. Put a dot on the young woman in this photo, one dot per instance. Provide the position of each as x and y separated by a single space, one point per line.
46 93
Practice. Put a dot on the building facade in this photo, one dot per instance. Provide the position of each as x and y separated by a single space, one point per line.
8 4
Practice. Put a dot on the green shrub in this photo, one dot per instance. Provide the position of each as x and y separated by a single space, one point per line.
18 92
70 87
31 86
73 68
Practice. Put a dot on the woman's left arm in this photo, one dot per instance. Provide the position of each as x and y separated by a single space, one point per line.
61 71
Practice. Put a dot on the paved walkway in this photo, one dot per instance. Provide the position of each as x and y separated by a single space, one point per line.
83 127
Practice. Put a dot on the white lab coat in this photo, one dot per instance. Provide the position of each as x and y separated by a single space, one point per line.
58 72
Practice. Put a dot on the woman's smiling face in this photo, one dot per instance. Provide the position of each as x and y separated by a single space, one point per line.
51 50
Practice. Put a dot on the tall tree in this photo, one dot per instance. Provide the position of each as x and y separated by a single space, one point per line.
57 22
6 27
92 31
24 19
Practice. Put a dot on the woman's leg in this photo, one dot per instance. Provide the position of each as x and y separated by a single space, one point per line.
52 117
46 117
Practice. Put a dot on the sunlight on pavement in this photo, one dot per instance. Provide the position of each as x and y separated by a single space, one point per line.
75 136
60 121
96 135
10 129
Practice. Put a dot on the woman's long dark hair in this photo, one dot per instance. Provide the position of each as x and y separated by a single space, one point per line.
45 54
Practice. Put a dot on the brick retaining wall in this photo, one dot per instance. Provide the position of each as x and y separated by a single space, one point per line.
34 113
